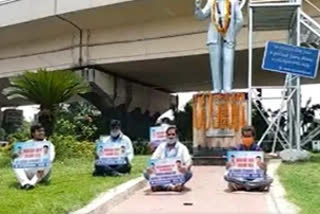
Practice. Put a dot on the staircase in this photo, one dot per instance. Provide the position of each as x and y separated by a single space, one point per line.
282 12
291 16
310 31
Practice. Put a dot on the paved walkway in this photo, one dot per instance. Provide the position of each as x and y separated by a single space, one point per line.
207 194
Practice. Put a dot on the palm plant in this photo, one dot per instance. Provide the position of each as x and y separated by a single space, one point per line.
47 89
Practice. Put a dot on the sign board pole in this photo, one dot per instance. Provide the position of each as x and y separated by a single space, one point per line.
298 93
296 62
250 54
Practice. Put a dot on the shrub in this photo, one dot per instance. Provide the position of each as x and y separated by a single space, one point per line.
5 159
77 119
65 128
141 147
21 136
68 147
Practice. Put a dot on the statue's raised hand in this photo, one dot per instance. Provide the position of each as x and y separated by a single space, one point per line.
198 3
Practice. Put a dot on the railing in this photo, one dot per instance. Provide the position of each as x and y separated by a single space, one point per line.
310 23
3 2
273 1
310 31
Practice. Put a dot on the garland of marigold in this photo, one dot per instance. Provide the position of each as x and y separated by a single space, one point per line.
209 123
221 29
216 111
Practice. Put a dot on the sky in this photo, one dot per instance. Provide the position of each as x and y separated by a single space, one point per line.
306 90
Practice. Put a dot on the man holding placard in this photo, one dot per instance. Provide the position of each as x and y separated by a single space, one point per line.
246 169
170 165
32 159
114 153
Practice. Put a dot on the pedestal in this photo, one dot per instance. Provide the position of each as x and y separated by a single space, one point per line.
217 123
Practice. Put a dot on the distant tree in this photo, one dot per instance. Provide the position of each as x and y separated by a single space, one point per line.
183 121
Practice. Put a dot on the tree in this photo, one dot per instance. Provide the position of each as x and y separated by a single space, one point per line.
308 120
183 120
47 89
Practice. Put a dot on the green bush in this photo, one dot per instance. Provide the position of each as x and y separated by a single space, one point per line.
68 147
21 136
5 159
79 127
141 147
65 128
79 120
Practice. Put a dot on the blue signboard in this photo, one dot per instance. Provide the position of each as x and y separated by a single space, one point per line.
290 59
31 155
245 164
165 172
110 153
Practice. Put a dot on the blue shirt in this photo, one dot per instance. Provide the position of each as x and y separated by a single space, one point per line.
253 147
122 139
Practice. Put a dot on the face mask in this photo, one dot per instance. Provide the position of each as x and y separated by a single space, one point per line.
115 134
247 141
171 141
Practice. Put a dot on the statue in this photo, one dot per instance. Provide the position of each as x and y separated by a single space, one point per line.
226 22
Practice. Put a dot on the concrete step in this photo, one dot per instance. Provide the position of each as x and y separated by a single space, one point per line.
209 160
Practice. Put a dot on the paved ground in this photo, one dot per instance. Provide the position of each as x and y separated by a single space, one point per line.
207 194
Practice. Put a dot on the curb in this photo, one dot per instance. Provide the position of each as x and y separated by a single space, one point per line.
107 200
276 199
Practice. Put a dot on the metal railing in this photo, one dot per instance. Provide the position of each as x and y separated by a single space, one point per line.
2 2
273 1
310 31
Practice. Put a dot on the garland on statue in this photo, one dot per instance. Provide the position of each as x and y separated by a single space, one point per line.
222 27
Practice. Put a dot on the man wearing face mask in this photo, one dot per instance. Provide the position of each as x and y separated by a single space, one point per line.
248 140
116 136
248 144
174 149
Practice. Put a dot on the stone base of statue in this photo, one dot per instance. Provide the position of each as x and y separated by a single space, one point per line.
217 122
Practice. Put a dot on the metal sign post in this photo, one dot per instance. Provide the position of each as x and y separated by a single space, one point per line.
291 60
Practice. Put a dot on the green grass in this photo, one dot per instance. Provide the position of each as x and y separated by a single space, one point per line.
71 187
302 183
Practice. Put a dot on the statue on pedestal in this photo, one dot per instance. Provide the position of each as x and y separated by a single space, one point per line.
226 22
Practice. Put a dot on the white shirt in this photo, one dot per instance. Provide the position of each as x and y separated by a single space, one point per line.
179 151
122 139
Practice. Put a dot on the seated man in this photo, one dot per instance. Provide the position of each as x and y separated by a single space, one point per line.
28 178
248 144
116 136
173 149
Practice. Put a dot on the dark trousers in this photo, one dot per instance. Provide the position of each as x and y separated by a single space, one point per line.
111 170
249 185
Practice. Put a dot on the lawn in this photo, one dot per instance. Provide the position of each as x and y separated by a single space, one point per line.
71 187
302 183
